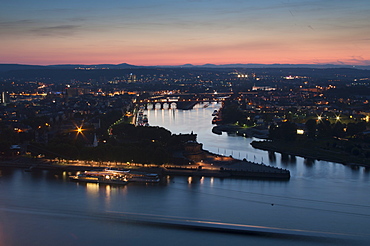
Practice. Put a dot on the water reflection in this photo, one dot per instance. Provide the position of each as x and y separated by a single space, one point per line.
293 159
52 175
272 157
285 159
355 172
199 120
36 174
5 172
355 168
108 190
309 162
92 189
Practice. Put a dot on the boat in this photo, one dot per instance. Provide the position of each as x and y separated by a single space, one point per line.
144 178
137 176
101 177
215 112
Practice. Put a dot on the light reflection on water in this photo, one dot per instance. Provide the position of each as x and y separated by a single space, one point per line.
320 196
199 120
92 189
301 203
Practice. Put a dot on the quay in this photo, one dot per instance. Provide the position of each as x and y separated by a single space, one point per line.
213 166
235 169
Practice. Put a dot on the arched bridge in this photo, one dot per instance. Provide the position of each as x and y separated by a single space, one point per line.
181 101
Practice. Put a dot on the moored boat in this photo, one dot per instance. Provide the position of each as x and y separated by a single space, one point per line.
101 177
143 177
137 176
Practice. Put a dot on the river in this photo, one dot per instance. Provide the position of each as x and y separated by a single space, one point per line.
45 208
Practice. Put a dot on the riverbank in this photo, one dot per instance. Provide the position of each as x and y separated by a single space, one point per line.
29 164
258 132
239 169
209 164
311 150
212 166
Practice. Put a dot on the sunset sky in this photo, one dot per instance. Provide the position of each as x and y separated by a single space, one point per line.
175 32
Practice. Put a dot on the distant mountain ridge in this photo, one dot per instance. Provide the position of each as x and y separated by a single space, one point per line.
97 66
10 67
276 65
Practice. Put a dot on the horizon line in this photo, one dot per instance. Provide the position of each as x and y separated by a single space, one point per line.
190 64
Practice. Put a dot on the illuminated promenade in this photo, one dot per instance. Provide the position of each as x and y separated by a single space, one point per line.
213 166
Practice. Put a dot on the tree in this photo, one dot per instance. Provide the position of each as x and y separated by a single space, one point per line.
289 131
231 112
273 132
311 128
324 128
355 128
286 131
338 129
355 151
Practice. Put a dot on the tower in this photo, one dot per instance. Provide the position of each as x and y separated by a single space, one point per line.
4 98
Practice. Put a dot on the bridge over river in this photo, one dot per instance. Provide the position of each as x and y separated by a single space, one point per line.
182 101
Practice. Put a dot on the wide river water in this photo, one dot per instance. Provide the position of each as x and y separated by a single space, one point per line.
45 208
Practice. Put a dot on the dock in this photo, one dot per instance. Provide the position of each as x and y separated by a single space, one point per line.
213 166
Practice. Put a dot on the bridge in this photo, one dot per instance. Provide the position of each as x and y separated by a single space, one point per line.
181 101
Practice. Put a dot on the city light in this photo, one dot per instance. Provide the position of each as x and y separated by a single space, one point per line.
79 130
300 131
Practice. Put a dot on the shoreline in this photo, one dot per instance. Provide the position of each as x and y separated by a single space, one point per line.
294 150
226 168
255 131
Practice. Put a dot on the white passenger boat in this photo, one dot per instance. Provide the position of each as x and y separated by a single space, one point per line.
137 176
101 177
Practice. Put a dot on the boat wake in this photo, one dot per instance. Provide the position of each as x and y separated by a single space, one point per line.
190 223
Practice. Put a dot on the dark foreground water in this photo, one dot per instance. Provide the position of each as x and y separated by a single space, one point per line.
45 208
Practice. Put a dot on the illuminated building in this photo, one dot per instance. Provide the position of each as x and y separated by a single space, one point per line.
131 78
4 98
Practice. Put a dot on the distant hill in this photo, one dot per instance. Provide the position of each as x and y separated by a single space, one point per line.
11 67
256 65
96 66
14 67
